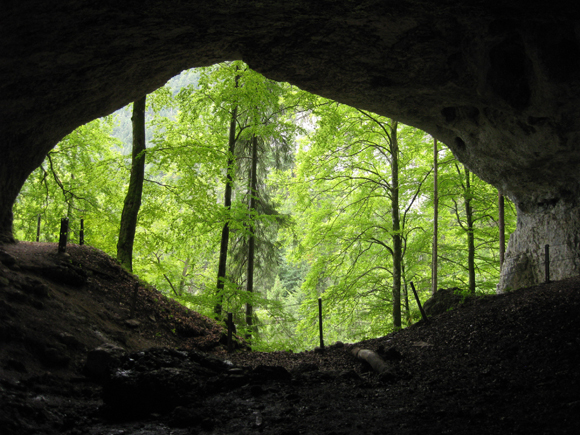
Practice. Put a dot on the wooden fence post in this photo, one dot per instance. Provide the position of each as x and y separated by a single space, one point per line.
320 322
63 235
38 228
547 262
419 303
82 233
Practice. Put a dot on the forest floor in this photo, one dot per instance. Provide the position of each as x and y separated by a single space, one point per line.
503 364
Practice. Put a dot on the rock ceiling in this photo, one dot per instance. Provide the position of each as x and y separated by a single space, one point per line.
499 85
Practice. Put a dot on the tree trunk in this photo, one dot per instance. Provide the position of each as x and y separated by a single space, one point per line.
221 277
396 237
501 224
470 235
434 262
183 276
135 191
252 237
405 295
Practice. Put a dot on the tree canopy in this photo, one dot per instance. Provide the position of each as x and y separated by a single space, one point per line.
337 203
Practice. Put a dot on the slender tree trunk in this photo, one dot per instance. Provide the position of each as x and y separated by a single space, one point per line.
470 235
70 204
70 207
405 295
221 277
501 223
183 276
434 262
135 191
252 237
397 239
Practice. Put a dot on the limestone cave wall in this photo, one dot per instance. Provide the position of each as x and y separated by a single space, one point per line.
498 84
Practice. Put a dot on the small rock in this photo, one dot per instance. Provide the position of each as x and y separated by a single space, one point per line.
132 323
100 360
7 259
69 340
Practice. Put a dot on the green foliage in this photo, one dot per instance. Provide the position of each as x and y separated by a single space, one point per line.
80 178
324 219
344 192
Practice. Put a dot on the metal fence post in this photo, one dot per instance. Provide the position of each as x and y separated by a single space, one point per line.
320 322
547 262
38 228
82 233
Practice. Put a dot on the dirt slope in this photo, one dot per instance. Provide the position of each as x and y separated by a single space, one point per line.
501 364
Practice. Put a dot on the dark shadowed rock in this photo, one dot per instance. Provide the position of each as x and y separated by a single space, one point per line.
158 380
262 374
102 359
7 259
443 300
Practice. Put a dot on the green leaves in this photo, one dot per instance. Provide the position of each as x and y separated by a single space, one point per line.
79 179
329 209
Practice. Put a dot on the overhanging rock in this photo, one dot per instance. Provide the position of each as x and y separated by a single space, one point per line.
499 84
559 228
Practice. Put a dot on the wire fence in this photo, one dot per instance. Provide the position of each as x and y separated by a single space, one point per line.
550 257
547 257
64 233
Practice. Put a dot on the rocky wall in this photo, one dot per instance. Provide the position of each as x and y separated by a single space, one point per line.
498 83
559 228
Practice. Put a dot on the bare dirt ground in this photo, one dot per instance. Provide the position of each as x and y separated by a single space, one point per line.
499 364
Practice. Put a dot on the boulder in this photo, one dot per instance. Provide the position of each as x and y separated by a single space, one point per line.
100 360
443 300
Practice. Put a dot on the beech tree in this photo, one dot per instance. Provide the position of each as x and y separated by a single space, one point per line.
362 214
231 118
355 212
434 260
78 179
469 244
225 237
134 192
